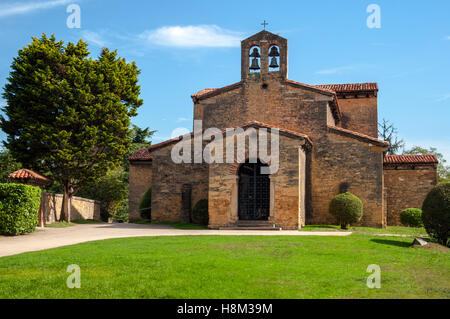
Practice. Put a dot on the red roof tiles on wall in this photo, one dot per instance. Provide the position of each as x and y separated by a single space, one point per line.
410 159
142 154
349 87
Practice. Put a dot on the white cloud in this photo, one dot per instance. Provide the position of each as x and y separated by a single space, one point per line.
182 119
179 131
9 9
192 36
94 38
443 98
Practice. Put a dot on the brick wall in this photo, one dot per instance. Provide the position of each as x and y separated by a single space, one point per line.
407 187
167 185
360 115
140 180
336 160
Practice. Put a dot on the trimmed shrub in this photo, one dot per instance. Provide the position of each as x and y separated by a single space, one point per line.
436 213
200 212
145 205
121 213
411 217
19 207
347 208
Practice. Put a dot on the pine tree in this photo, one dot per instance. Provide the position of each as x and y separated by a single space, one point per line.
68 115
388 132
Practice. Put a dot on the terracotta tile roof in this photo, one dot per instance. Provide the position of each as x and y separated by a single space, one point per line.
349 87
357 135
334 106
315 87
213 91
144 154
282 130
28 176
410 159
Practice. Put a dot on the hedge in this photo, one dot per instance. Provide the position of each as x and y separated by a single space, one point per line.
145 205
347 208
19 207
411 217
200 212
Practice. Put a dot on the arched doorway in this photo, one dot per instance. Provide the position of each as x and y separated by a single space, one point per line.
254 192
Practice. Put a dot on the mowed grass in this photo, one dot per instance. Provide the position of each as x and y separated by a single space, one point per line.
230 267
397 230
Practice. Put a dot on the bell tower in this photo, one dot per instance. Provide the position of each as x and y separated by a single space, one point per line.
264 55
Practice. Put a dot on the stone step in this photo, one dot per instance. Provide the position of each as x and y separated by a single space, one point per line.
254 223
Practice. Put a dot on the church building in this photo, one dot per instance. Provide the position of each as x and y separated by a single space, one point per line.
328 144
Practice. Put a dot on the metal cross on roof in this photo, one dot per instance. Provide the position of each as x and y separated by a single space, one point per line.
264 24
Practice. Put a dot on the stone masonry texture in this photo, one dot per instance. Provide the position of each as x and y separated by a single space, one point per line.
334 149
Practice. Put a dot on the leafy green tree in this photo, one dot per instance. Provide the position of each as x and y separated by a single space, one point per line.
7 165
111 190
140 139
68 115
388 132
141 136
442 169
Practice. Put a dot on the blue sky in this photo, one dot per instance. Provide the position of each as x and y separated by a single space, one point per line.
329 42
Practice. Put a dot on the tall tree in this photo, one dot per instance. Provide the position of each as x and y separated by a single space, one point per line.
7 165
442 169
68 115
141 135
140 139
388 132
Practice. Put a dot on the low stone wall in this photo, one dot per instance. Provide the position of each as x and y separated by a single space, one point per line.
81 208
407 186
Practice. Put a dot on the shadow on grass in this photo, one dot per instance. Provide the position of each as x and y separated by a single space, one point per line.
391 242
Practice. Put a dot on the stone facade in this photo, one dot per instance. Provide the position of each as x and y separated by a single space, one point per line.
406 186
141 177
327 143
81 208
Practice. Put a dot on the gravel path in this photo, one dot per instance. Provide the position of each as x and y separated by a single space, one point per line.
47 238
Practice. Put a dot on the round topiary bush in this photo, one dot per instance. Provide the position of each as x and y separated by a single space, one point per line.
145 205
19 207
200 212
411 217
347 208
436 213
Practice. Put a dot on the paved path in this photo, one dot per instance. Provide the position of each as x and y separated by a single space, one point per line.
55 237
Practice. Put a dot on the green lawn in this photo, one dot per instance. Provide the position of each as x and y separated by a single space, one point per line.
59 224
230 267
397 230
73 222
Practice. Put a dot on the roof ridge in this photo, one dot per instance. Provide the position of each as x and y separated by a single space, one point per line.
211 91
144 153
357 134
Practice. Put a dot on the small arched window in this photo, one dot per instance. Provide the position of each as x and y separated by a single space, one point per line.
254 59
274 58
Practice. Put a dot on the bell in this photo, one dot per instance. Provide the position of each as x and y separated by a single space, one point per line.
274 63
274 51
255 64
255 53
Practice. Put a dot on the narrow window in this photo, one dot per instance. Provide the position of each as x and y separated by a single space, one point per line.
274 58
254 59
